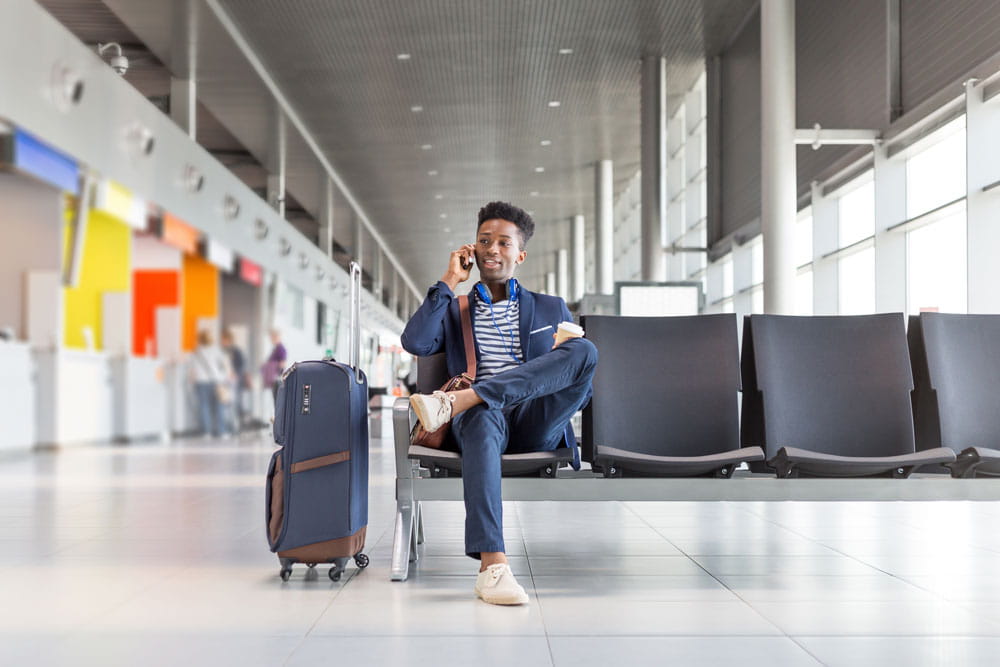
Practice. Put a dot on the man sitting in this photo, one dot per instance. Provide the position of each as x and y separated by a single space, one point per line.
526 389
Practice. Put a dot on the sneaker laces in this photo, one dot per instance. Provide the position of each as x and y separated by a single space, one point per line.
496 572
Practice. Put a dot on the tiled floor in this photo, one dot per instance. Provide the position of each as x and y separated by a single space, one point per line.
155 555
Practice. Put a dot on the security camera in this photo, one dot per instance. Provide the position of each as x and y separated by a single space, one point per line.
118 62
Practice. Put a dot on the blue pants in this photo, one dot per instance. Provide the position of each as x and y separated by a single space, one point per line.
525 409
209 406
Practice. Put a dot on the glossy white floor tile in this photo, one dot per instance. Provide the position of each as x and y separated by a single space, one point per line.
155 554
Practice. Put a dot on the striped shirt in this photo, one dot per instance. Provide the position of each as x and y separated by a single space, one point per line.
498 337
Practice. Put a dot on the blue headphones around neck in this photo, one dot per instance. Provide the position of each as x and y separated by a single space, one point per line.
512 292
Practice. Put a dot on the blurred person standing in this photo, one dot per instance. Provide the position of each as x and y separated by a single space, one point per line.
275 364
241 379
211 376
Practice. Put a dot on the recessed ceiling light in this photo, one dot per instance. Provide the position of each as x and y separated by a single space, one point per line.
446 230
416 108
531 212
534 193
426 147
432 172
402 56
444 215
545 142
438 196
554 103
565 52
539 169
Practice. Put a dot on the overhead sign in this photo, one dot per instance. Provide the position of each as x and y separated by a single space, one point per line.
251 273
179 234
34 157
118 201
220 255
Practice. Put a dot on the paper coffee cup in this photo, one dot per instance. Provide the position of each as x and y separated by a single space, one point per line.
567 330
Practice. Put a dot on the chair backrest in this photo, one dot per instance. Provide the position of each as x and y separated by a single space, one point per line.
432 372
836 385
962 362
667 386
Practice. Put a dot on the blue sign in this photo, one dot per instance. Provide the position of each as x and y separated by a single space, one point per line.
42 161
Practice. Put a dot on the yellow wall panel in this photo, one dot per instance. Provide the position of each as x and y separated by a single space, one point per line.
105 267
199 295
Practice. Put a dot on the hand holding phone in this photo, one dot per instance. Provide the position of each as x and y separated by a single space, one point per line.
460 265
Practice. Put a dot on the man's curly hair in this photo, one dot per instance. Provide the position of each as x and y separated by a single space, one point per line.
504 211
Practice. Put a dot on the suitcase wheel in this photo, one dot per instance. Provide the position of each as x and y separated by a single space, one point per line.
310 565
286 574
335 573
361 561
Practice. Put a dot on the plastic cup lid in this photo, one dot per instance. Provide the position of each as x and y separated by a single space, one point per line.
571 327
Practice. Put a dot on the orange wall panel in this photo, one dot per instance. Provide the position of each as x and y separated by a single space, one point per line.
199 295
150 290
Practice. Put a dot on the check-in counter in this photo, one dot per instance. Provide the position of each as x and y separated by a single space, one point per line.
182 415
140 398
17 397
73 397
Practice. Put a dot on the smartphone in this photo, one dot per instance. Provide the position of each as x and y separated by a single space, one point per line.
467 263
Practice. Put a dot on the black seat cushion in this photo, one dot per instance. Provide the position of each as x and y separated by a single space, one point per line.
444 463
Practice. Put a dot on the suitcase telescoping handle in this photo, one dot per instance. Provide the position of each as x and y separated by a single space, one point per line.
355 347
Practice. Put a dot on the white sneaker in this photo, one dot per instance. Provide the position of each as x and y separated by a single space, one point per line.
497 585
433 410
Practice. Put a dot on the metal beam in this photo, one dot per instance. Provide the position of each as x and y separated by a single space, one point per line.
817 137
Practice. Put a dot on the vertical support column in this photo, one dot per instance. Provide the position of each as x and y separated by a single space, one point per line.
653 111
394 293
276 165
826 239
890 247
378 283
982 132
604 228
579 259
183 104
550 282
778 177
326 217
359 244
562 273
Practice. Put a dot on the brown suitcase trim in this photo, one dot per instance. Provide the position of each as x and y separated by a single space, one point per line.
277 501
319 552
321 461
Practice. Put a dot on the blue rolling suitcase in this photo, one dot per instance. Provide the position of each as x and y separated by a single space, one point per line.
317 482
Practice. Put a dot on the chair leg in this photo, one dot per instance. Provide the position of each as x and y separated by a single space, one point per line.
402 541
420 523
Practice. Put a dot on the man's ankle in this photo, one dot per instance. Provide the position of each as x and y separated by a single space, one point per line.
491 558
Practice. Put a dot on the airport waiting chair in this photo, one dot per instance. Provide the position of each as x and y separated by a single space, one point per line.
432 372
830 396
956 370
666 397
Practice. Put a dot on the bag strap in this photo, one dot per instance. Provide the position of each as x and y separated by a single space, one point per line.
470 349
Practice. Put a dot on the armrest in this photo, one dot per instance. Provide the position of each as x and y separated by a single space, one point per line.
401 426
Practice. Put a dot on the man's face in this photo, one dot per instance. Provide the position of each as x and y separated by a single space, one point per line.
498 250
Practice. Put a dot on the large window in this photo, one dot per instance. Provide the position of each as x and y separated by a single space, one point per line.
936 250
856 273
935 169
856 209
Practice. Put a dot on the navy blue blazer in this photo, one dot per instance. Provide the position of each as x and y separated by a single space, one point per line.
437 326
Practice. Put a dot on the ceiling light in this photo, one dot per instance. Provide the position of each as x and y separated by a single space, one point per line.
438 196
554 103
545 142
432 172
539 169
531 212
446 230
565 52
402 56
444 215
426 147
416 108
534 193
